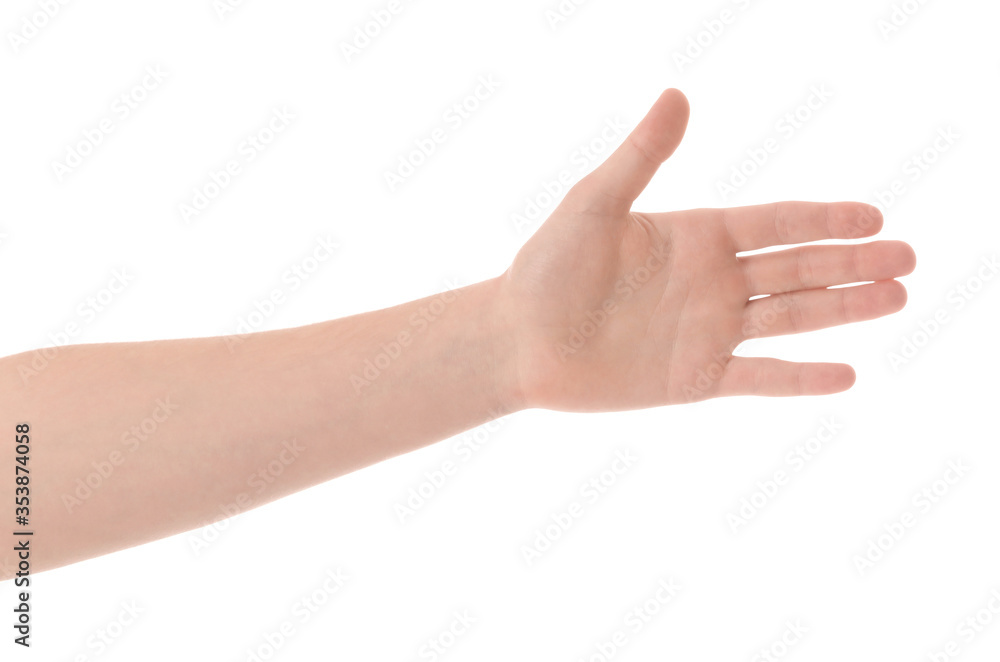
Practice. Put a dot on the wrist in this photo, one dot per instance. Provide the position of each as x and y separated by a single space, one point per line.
496 320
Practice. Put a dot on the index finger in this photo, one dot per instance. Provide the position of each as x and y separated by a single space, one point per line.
777 223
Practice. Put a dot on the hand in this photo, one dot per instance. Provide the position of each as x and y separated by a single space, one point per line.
616 309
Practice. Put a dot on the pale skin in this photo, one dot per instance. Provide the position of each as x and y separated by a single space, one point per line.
603 309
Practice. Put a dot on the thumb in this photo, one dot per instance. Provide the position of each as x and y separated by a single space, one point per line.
627 172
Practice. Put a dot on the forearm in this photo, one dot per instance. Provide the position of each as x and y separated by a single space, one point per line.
182 427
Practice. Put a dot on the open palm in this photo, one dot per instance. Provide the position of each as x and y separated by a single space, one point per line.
617 309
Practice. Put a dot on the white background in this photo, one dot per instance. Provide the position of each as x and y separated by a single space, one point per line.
666 517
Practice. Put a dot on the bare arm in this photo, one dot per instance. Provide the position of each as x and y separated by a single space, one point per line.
602 309
170 431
